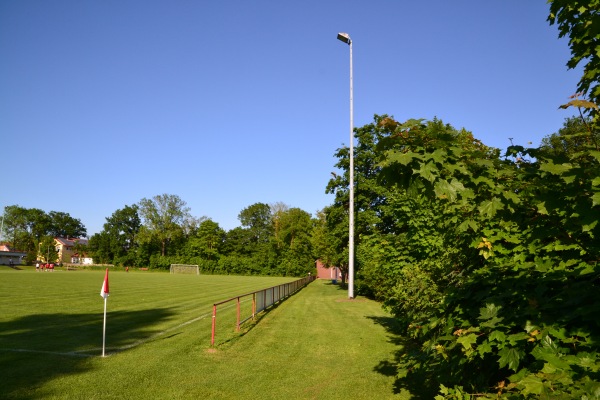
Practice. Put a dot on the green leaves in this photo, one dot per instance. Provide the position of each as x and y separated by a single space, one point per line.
489 208
510 357
467 341
556 169
489 311
582 26
491 264
448 190
427 171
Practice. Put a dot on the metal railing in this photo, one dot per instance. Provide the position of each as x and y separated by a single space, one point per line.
261 300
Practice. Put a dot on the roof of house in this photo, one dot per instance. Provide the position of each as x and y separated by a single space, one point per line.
71 241
5 248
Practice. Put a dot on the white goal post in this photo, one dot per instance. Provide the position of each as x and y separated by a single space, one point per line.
185 269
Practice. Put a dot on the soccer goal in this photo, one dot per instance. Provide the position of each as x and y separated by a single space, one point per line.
185 269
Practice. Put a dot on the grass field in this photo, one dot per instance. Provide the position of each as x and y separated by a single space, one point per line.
315 345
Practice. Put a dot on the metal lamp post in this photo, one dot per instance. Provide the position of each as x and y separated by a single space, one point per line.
344 37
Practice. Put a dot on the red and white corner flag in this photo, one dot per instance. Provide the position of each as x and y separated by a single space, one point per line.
104 290
104 294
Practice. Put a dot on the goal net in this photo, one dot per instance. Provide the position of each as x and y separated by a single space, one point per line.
185 269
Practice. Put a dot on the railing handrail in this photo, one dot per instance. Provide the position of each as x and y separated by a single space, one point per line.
257 291
297 285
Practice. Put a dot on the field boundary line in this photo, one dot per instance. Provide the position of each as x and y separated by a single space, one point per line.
152 337
115 350
58 353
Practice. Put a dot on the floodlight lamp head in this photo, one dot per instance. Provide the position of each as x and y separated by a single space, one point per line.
344 37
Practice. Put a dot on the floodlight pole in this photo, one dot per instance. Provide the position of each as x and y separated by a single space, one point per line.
344 37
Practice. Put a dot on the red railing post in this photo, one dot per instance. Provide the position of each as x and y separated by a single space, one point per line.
214 320
283 291
237 325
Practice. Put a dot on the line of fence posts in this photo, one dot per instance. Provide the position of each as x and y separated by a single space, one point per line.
261 300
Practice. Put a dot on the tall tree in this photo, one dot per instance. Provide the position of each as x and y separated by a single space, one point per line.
47 249
38 224
297 257
330 238
15 225
117 243
63 225
258 219
207 241
371 197
101 248
163 218
579 20
277 211
494 274
124 224
238 242
571 138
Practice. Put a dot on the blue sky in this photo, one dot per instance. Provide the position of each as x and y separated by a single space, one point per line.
230 103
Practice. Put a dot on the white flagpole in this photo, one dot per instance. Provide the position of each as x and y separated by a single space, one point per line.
104 328
104 293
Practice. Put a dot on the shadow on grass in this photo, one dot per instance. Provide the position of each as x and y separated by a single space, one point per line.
419 385
338 285
41 347
227 338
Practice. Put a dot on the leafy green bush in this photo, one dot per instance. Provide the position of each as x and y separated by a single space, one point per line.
493 268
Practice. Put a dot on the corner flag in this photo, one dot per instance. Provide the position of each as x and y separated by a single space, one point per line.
104 295
104 290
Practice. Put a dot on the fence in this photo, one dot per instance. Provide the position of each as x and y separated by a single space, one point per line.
261 300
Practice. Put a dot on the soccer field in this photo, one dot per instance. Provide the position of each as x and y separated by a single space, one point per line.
314 345
62 311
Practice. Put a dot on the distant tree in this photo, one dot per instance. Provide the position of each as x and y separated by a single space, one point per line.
47 249
336 234
277 211
321 239
163 219
573 137
38 224
296 254
117 243
124 225
27 226
63 225
207 241
15 225
191 225
258 219
101 248
81 249
238 242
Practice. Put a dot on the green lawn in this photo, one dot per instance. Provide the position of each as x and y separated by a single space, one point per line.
315 345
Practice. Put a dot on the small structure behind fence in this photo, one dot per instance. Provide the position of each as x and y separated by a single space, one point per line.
261 300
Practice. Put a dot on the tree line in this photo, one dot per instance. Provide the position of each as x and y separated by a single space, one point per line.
488 261
272 240
32 229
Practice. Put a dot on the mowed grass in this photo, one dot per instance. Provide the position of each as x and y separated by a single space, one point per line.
314 345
